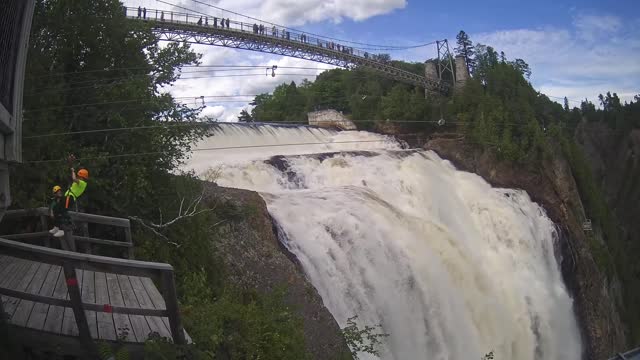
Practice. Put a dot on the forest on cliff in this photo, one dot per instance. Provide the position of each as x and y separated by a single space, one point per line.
498 110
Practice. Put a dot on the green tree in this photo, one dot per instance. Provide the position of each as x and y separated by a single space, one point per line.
245 116
465 48
522 67
89 68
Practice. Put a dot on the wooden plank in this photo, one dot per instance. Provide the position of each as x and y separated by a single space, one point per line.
20 283
106 326
39 312
10 271
171 299
99 219
53 322
33 235
83 261
154 295
156 299
23 311
75 216
124 329
102 241
129 239
140 326
155 323
73 278
89 296
69 326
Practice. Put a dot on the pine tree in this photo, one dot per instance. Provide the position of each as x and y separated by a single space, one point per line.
566 104
245 116
465 48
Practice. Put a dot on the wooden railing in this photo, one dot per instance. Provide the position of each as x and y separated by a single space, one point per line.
80 219
70 261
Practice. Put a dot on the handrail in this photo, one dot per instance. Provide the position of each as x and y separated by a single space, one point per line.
71 261
78 217
350 56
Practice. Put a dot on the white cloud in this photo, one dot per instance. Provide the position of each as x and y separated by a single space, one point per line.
592 27
576 62
224 82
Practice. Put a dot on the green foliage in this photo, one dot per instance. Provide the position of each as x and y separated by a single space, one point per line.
366 340
223 320
108 352
89 68
465 48
240 324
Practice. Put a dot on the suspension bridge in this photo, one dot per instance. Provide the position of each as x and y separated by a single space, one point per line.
198 28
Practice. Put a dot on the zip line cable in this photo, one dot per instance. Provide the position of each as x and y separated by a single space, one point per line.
218 124
180 78
205 149
184 66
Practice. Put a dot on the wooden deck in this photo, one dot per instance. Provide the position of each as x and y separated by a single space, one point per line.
65 302
95 287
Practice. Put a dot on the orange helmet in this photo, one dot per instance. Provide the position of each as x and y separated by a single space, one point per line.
56 189
83 173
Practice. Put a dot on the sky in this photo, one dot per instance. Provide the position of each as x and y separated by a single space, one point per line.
576 49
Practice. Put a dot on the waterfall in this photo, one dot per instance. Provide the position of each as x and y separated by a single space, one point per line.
450 267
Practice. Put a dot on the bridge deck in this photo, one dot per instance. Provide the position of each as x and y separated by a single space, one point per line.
96 287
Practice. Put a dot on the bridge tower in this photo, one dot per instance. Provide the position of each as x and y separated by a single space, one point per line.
462 73
440 69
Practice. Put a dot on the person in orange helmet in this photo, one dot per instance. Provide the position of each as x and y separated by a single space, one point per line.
78 186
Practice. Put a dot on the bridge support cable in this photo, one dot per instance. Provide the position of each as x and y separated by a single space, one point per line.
199 29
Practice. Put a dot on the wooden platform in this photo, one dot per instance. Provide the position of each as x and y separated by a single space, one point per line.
100 288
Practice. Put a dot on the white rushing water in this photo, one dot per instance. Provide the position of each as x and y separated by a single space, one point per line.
449 266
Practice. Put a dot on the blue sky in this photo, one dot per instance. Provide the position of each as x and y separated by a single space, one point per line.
575 48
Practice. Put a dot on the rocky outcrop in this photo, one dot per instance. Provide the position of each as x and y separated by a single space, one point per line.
330 119
254 259
553 186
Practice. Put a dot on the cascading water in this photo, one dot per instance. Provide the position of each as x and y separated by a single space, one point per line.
449 266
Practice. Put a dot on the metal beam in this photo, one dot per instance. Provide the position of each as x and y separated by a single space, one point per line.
191 28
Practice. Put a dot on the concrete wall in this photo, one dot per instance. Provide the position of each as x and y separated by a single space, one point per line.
430 70
462 72
330 119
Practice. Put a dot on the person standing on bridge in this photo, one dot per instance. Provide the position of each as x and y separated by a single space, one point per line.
139 12
162 16
215 22
144 13
227 23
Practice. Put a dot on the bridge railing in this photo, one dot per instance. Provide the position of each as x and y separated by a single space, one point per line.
80 219
267 30
162 273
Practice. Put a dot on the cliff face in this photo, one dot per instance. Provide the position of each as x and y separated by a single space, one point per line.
255 260
553 187
614 160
